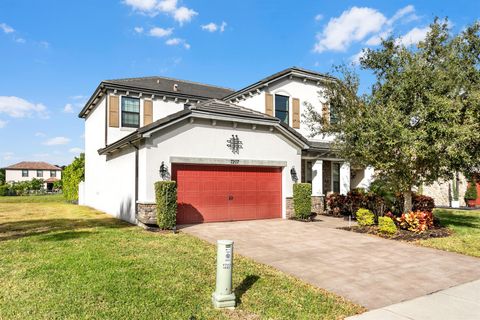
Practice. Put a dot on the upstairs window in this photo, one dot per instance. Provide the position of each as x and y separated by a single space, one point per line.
39 173
53 174
24 173
281 107
333 115
130 112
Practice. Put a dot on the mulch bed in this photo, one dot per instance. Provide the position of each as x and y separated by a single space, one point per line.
403 235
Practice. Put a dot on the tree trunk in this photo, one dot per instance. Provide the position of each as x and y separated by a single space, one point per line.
407 201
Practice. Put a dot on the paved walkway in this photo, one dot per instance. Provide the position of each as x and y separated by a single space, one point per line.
461 303
368 270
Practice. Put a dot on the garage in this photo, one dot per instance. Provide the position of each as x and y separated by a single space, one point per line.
213 193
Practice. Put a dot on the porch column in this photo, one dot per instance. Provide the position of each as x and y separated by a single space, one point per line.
317 178
345 178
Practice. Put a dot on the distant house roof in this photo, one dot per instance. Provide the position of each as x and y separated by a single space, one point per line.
31 165
293 71
160 86
51 180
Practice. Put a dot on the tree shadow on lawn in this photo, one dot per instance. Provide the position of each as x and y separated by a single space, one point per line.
28 228
448 219
243 287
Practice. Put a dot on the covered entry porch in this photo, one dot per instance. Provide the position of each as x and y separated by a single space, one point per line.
328 173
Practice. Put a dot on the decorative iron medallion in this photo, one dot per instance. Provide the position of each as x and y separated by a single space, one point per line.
234 144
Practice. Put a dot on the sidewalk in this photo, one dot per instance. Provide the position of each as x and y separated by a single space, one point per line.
460 303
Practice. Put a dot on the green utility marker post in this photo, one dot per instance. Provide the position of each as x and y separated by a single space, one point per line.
223 297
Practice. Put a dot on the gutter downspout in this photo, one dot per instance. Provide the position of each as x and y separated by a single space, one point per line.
136 177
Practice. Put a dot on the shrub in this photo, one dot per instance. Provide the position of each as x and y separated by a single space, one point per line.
355 200
386 225
71 177
336 204
302 200
471 193
422 203
4 190
166 199
365 217
416 221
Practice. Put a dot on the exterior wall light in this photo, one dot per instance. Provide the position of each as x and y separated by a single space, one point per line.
164 172
294 175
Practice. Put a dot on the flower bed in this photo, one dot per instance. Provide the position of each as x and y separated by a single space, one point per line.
402 235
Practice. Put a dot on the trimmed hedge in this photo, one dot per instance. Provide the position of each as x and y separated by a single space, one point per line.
166 199
365 217
386 225
302 200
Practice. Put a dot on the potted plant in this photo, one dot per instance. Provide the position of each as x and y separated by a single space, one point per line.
471 193
455 197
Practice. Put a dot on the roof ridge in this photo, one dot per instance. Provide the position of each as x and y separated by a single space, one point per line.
172 79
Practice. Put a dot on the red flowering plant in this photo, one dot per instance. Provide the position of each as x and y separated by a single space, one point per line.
336 204
415 221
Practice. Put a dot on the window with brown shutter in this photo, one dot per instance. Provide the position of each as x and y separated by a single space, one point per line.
113 112
147 112
269 104
296 113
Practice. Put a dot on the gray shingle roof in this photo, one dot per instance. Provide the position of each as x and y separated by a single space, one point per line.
226 108
167 85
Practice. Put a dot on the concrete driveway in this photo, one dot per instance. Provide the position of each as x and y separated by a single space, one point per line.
368 270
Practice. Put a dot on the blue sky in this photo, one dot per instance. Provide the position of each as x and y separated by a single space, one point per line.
54 53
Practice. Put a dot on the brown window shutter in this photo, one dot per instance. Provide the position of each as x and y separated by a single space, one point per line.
269 104
326 113
296 113
113 112
147 112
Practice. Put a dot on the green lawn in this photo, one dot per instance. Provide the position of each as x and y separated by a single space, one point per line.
62 261
32 199
466 236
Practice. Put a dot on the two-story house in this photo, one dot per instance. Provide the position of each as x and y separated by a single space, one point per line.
28 170
234 154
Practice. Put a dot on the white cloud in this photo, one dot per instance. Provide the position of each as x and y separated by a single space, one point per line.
138 29
40 134
377 39
176 42
413 36
56 141
6 28
44 44
20 40
356 57
18 108
184 14
41 155
318 17
401 13
8 155
352 25
212 27
3 124
160 32
76 150
153 7
68 108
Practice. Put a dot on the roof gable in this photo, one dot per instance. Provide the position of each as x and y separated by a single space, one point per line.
287 73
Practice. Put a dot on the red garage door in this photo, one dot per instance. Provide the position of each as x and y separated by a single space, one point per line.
227 193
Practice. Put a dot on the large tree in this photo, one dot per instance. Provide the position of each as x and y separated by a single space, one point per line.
71 177
421 120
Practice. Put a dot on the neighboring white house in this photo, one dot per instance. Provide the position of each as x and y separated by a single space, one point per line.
234 154
27 170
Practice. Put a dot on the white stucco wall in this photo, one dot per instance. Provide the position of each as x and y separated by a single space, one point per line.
109 185
16 175
293 88
203 140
